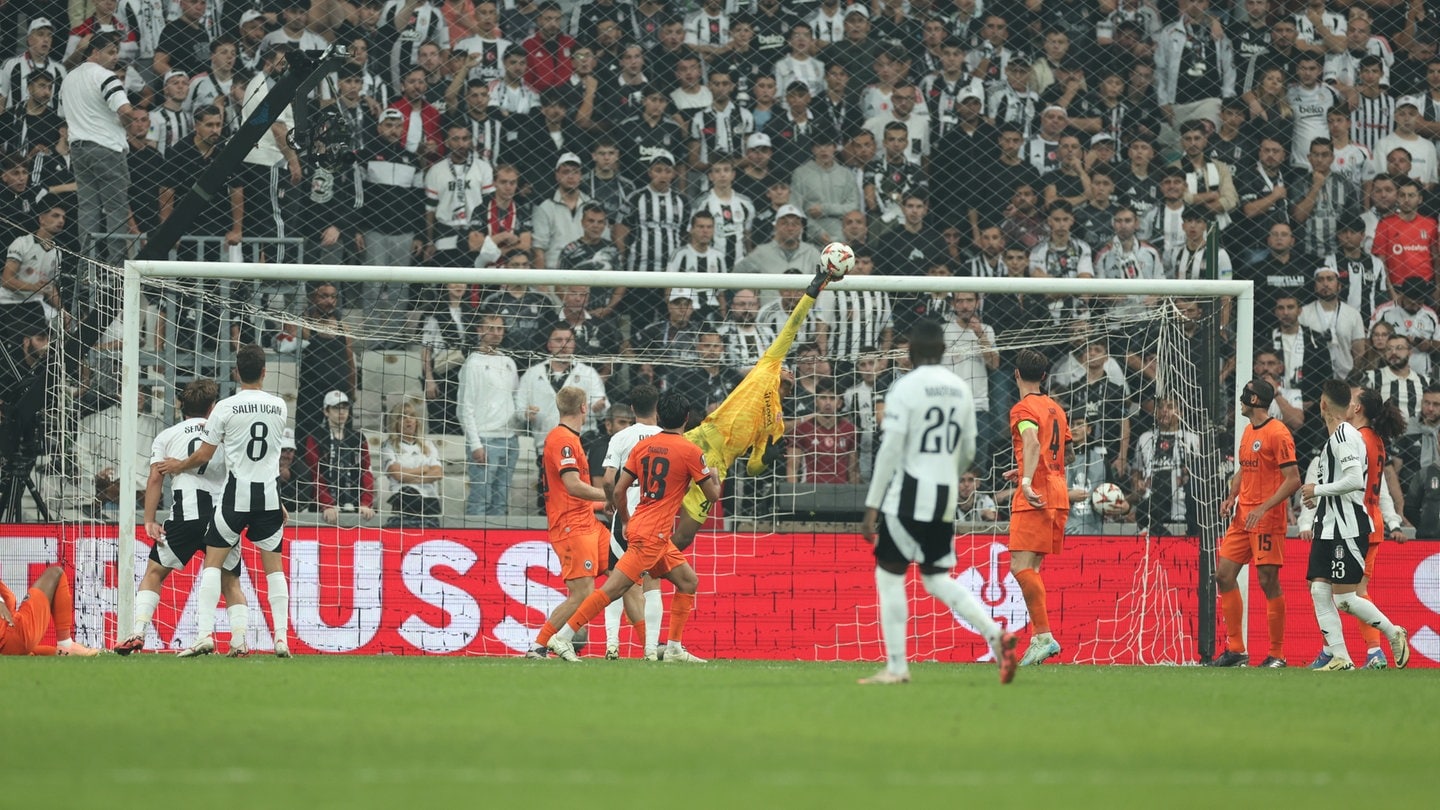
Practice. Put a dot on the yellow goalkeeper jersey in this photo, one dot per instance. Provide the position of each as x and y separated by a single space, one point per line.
749 418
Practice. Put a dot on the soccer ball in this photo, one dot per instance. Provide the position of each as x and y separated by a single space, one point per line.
837 258
1106 496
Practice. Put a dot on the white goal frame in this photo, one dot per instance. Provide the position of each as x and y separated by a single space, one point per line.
136 272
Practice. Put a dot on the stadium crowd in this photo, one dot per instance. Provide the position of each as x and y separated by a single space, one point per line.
1106 138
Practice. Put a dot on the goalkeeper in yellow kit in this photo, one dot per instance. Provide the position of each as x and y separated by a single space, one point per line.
748 419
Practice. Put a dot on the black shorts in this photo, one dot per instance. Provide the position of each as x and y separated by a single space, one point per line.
263 529
903 540
1340 561
183 539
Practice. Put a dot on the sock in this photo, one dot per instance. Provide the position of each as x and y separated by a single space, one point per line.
1033 587
546 632
1364 610
1329 619
1275 619
894 619
613 612
1368 632
239 624
640 630
963 602
209 594
593 604
62 612
279 593
654 617
680 606
145 604
1232 607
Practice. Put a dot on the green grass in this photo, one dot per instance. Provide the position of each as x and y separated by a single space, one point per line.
416 732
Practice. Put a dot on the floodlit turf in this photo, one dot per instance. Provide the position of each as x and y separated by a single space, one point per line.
409 732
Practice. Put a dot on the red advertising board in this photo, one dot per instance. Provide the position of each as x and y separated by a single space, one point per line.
1121 600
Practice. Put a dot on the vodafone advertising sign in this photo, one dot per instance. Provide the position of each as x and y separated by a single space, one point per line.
1115 600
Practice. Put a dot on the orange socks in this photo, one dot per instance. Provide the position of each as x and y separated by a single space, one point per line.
680 607
589 609
545 633
1275 615
1232 609
62 610
1370 634
1033 587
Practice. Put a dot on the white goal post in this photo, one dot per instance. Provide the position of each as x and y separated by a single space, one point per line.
137 274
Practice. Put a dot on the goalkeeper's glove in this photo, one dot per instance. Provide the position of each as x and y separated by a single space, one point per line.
766 458
817 283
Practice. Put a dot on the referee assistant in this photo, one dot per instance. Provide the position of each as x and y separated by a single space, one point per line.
96 109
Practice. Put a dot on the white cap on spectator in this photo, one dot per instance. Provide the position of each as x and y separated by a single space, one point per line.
568 157
336 398
758 140
172 74
40 22
287 439
1320 270
682 292
788 211
967 94
392 114
858 8
252 14
1056 108
662 154
1101 137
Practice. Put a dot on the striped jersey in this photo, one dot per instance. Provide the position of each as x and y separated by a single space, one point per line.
733 219
192 493
690 259
721 132
1372 119
857 319
1402 392
658 222
1340 512
248 426
169 127
928 439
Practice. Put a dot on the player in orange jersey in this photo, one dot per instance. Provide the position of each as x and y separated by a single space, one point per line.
1380 422
1040 434
664 465
580 541
1266 477
21 628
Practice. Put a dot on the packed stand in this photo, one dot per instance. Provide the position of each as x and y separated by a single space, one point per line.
1106 139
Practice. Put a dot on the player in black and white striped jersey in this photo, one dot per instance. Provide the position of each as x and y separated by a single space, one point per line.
249 426
928 438
1339 532
192 509
1372 114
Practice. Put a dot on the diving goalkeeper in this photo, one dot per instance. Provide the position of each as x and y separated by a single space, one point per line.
748 419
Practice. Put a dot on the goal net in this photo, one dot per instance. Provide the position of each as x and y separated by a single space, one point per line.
420 398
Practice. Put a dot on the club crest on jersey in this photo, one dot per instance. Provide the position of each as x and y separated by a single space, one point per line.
1339 553
1255 446
589 565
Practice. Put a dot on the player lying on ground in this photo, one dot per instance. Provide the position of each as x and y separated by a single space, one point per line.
192 508
749 418
21 628
664 465
929 438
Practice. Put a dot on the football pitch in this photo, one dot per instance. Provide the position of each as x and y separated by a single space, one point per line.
392 732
